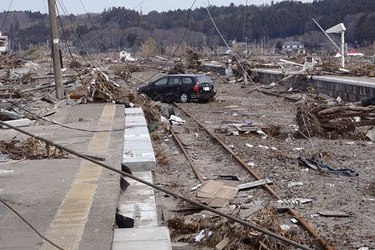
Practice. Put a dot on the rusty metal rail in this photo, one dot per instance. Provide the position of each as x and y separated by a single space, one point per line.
324 243
194 168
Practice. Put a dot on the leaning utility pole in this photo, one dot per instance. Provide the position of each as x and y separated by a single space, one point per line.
55 50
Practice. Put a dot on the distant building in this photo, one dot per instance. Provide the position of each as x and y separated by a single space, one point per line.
126 56
294 47
3 43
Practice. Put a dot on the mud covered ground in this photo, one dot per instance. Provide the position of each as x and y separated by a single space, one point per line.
274 157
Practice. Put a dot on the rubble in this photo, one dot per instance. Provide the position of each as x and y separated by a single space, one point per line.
9 61
228 234
31 148
321 119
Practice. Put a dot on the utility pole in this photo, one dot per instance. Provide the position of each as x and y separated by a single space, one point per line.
55 50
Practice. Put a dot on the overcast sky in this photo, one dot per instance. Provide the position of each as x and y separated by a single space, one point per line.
97 6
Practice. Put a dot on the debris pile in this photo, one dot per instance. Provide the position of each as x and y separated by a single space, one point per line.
322 120
9 61
192 60
31 149
124 72
178 68
218 233
96 86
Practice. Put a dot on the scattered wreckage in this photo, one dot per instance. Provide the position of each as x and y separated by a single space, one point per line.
319 118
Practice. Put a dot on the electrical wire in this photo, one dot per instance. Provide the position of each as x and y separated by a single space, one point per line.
63 125
164 190
45 6
136 6
180 43
79 37
67 44
66 36
83 5
237 57
6 15
29 224
242 67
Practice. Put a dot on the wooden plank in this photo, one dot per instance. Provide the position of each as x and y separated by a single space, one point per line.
331 213
209 189
218 193
222 244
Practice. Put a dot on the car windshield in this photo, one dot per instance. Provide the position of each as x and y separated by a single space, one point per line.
204 79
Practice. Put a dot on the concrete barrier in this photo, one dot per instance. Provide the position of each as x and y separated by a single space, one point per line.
349 89
137 203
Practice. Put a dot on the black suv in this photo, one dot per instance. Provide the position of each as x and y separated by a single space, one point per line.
180 87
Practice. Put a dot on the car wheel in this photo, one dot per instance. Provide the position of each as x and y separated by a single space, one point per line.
158 98
184 98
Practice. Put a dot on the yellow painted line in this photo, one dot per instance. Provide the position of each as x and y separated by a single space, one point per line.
67 227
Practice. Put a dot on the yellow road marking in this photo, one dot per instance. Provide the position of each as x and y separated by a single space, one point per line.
67 227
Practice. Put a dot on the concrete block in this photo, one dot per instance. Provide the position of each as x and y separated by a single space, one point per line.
156 238
141 217
138 202
136 166
133 121
134 112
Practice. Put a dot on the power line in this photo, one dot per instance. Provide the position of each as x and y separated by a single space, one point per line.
243 69
29 224
65 11
180 43
136 6
66 38
45 6
6 15
164 190
60 124
235 54
83 5
128 13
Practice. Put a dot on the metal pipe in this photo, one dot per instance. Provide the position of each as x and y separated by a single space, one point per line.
177 195
325 33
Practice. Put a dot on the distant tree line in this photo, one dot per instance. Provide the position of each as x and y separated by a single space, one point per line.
118 27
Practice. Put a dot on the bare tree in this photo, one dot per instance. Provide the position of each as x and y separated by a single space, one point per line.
148 48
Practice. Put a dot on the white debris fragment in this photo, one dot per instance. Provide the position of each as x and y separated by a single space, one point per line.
202 234
260 132
249 145
294 220
251 164
294 202
298 149
294 183
285 227
175 120
195 187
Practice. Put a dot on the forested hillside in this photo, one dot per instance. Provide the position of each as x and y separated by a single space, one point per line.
118 27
